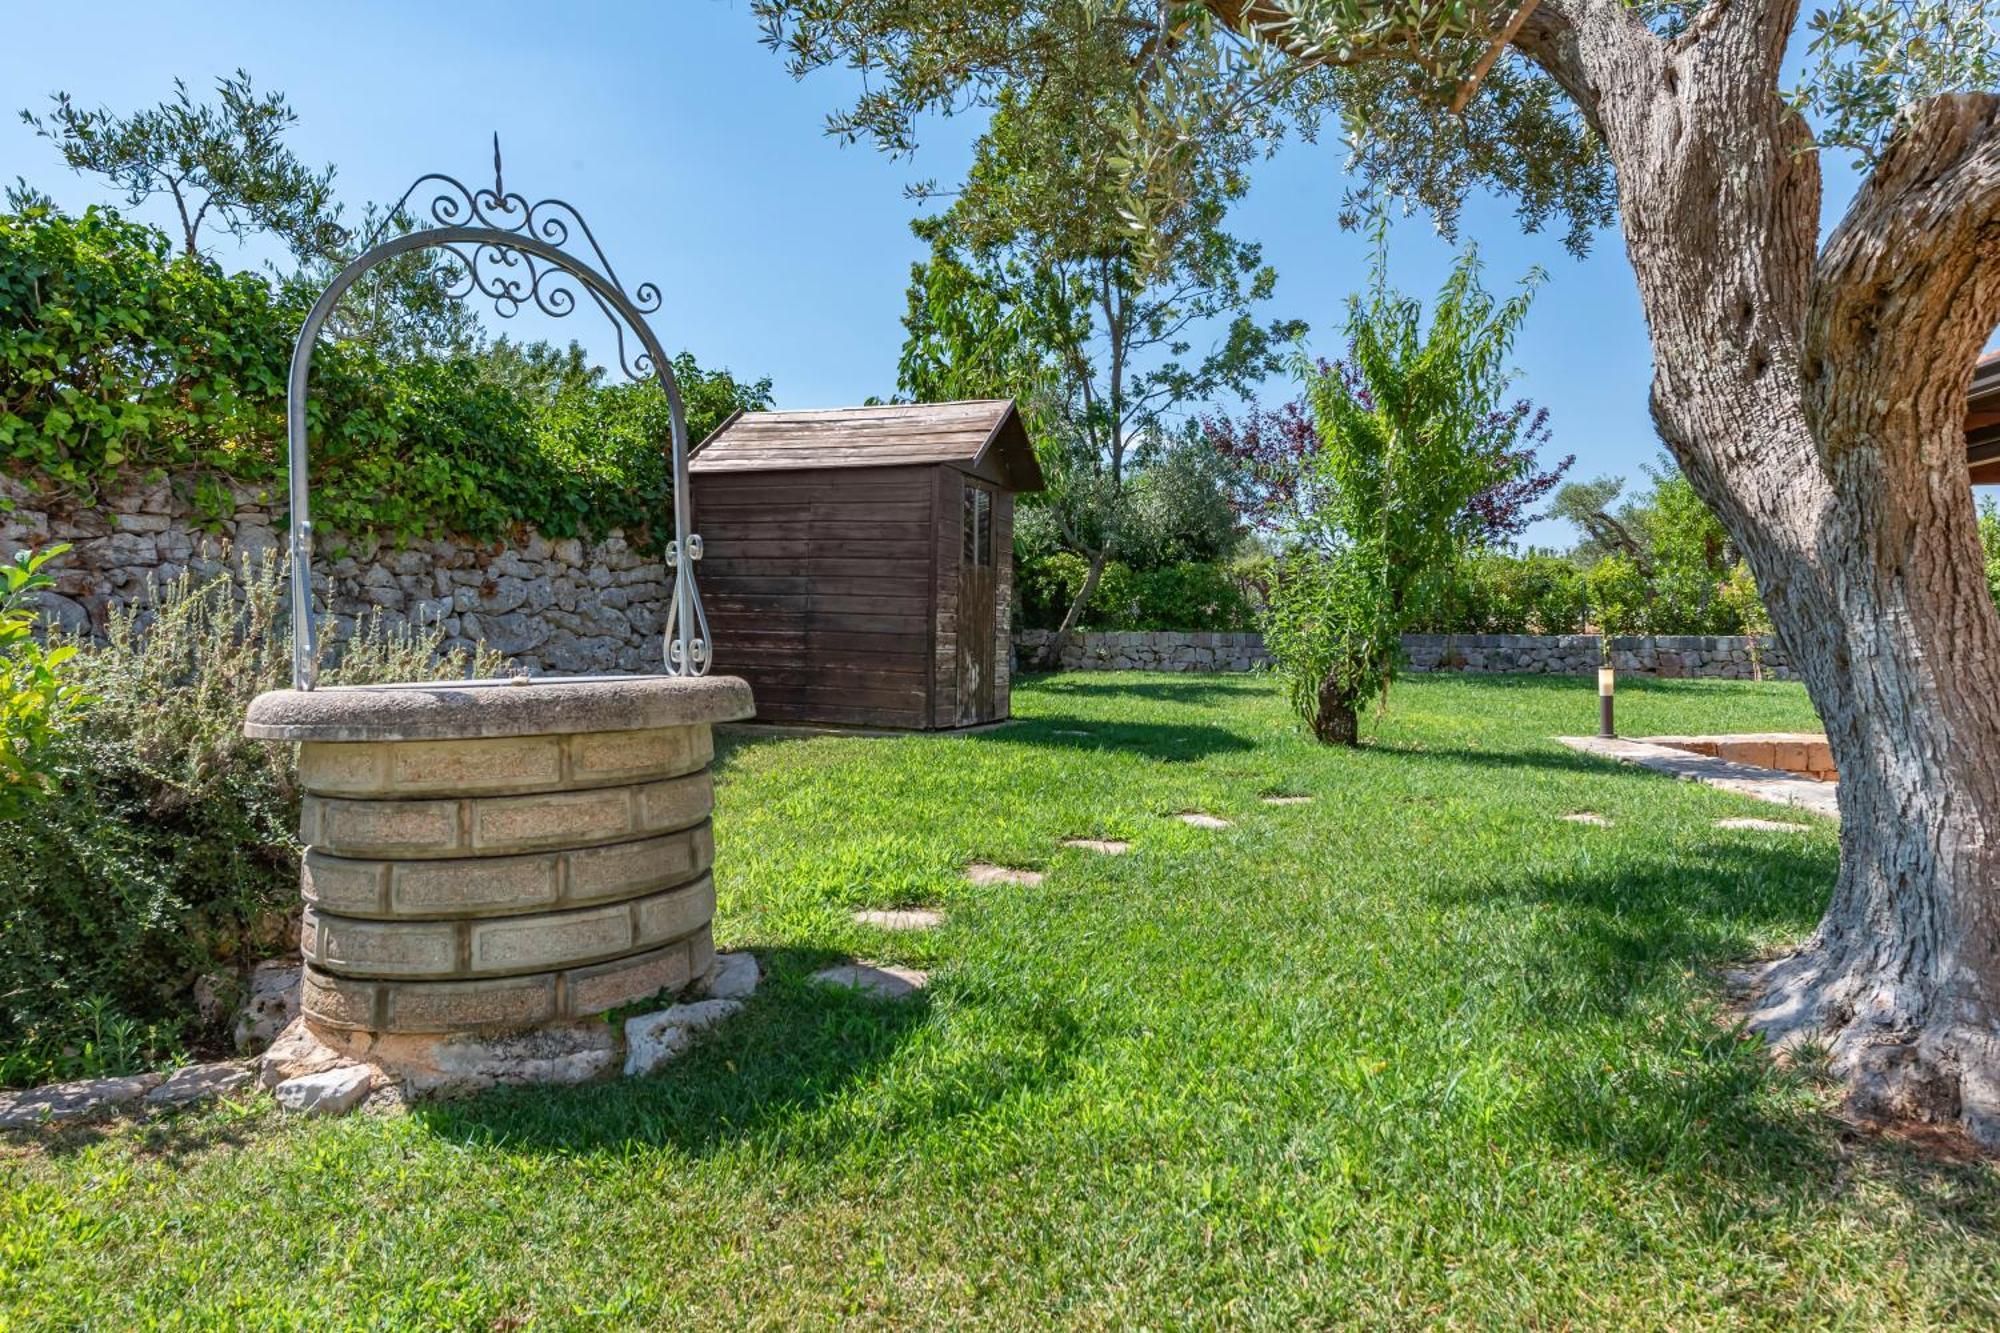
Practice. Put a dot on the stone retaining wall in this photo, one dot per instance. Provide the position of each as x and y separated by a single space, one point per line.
568 606
576 607
1538 654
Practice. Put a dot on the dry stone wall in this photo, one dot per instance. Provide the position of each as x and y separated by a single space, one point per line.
574 607
566 606
1538 654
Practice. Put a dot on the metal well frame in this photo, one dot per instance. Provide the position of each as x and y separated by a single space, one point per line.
514 253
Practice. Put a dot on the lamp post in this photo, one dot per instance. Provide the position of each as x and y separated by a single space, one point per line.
1607 679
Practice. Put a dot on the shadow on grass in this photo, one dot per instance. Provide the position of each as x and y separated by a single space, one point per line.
1622 973
775 1070
1174 742
1198 688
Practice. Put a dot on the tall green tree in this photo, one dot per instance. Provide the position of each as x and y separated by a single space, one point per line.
225 165
1374 535
1036 289
1812 393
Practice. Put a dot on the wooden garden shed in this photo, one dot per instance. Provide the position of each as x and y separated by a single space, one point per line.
1982 422
857 562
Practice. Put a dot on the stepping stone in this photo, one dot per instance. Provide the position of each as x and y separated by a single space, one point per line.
984 872
733 977
329 1092
653 1039
1196 819
1763 825
60 1102
1588 817
1287 800
909 918
1061 732
877 980
199 1083
1107 846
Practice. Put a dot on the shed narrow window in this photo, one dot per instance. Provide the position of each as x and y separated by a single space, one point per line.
978 525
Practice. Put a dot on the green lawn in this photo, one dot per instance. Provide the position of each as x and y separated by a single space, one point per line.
1418 1052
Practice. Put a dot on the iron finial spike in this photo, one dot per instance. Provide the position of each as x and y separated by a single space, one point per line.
499 190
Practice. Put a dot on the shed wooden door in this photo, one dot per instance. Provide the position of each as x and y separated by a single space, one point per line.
976 607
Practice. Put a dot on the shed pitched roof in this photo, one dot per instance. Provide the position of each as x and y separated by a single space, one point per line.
983 436
1982 421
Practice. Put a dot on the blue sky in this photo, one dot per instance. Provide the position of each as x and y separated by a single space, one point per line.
704 167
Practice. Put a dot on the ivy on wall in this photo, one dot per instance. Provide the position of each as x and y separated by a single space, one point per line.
120 358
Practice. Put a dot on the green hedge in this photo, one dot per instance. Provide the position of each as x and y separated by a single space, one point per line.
1191 595
118 356
163 853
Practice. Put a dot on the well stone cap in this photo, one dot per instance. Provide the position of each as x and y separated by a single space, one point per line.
467 709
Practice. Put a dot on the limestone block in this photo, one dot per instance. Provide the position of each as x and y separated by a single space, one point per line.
329 1092
512 1002
199 1083
271 1004
62 1102
463 887
734 976
517 944
653 1039
592 990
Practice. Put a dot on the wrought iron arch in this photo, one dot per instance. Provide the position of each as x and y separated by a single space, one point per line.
512 252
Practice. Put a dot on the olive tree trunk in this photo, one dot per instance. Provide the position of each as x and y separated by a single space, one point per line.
1816 399
1051 655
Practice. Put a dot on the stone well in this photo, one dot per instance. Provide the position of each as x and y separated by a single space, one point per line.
498 856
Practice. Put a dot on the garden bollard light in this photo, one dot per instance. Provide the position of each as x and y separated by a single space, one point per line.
1606 681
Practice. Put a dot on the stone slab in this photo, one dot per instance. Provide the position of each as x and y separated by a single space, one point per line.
1102 846
457 710
1198 819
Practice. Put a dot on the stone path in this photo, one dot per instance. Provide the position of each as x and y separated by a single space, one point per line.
1102 846
877 980
985 872
1196 819
1759 784
908 918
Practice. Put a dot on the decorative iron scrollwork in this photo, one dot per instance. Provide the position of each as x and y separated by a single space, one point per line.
514 279
517 254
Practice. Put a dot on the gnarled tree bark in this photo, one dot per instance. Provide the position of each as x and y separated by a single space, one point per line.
1816 402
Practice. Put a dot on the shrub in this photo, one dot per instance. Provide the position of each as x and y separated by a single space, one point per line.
166 851
1498 593
1189 595
36 694
118 356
